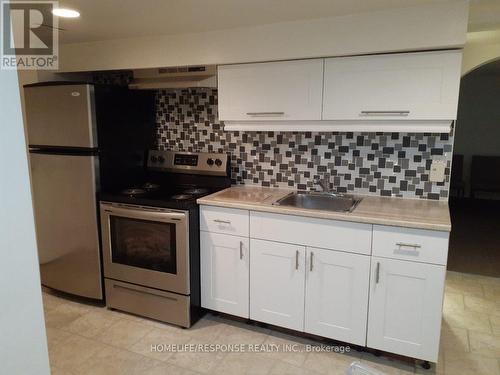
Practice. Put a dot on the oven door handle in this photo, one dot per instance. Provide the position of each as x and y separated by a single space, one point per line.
144 213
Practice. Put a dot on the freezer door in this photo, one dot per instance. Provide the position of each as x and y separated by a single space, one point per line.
61 115
64 198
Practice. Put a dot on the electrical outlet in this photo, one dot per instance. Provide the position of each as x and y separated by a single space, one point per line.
437 171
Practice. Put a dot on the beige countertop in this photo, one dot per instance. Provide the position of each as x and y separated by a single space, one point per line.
408 213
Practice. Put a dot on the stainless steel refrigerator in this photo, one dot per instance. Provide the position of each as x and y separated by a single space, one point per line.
63 147
65 153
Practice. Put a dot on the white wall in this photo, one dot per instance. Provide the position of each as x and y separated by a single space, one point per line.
478 119
430 26
23 345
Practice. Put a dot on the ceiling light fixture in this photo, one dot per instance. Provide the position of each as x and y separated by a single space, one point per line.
66 13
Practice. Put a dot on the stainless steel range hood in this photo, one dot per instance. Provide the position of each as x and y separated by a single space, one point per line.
175 77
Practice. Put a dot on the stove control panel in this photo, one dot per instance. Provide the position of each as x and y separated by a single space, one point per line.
189 162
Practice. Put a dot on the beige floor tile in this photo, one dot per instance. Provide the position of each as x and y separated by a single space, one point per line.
283 368
453 301
470 320
454 339
452 275
197 360
470 364
244 364
485 280
92 323
238 333
167 369
55 336
124 333
466 287
207 329
330 363
60 371
436 368
287 349
154 344
470 341
482 305
63 315
492 292
485 345
51 301
73 352
495 324
386 365
114 361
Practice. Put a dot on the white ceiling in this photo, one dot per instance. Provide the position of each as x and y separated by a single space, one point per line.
113 19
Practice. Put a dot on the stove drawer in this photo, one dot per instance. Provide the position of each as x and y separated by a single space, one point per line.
151 303
224 220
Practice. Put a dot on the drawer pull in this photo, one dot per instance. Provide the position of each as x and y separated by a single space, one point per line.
296 259
222 221
241 249
377 273
265 113
384 113
311 262
414 245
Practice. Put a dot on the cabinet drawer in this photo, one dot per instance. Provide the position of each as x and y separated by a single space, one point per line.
322 233
419 245
148 302
224 220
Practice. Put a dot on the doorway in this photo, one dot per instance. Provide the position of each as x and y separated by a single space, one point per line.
475 179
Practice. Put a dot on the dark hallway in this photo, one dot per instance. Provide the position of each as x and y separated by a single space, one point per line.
475 236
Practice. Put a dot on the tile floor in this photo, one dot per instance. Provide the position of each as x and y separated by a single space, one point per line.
91 340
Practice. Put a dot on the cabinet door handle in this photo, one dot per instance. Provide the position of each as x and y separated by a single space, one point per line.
296 259
377 273
222 221
241 249
311 262
385 113
265 113
403 244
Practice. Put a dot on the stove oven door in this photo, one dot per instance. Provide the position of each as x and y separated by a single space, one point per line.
146 246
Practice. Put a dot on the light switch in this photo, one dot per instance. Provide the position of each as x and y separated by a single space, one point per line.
437 171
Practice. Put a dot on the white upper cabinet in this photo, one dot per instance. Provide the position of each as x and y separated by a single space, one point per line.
407 86
411 92
283 90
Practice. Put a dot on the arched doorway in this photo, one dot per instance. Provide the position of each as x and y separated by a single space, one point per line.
475 201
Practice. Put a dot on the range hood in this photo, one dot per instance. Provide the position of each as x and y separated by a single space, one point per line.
175 77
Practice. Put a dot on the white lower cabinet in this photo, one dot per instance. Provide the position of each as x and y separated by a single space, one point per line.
405 307
337 285
390 299
277 280
225 273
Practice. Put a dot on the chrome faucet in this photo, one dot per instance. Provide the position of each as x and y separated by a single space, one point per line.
325 186
324 183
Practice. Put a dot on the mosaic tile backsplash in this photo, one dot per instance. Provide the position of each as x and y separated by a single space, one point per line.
387 164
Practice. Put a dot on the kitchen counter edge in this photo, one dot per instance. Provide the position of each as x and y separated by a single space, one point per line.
372 210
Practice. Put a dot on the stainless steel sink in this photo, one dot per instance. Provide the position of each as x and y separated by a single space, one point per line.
319 201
